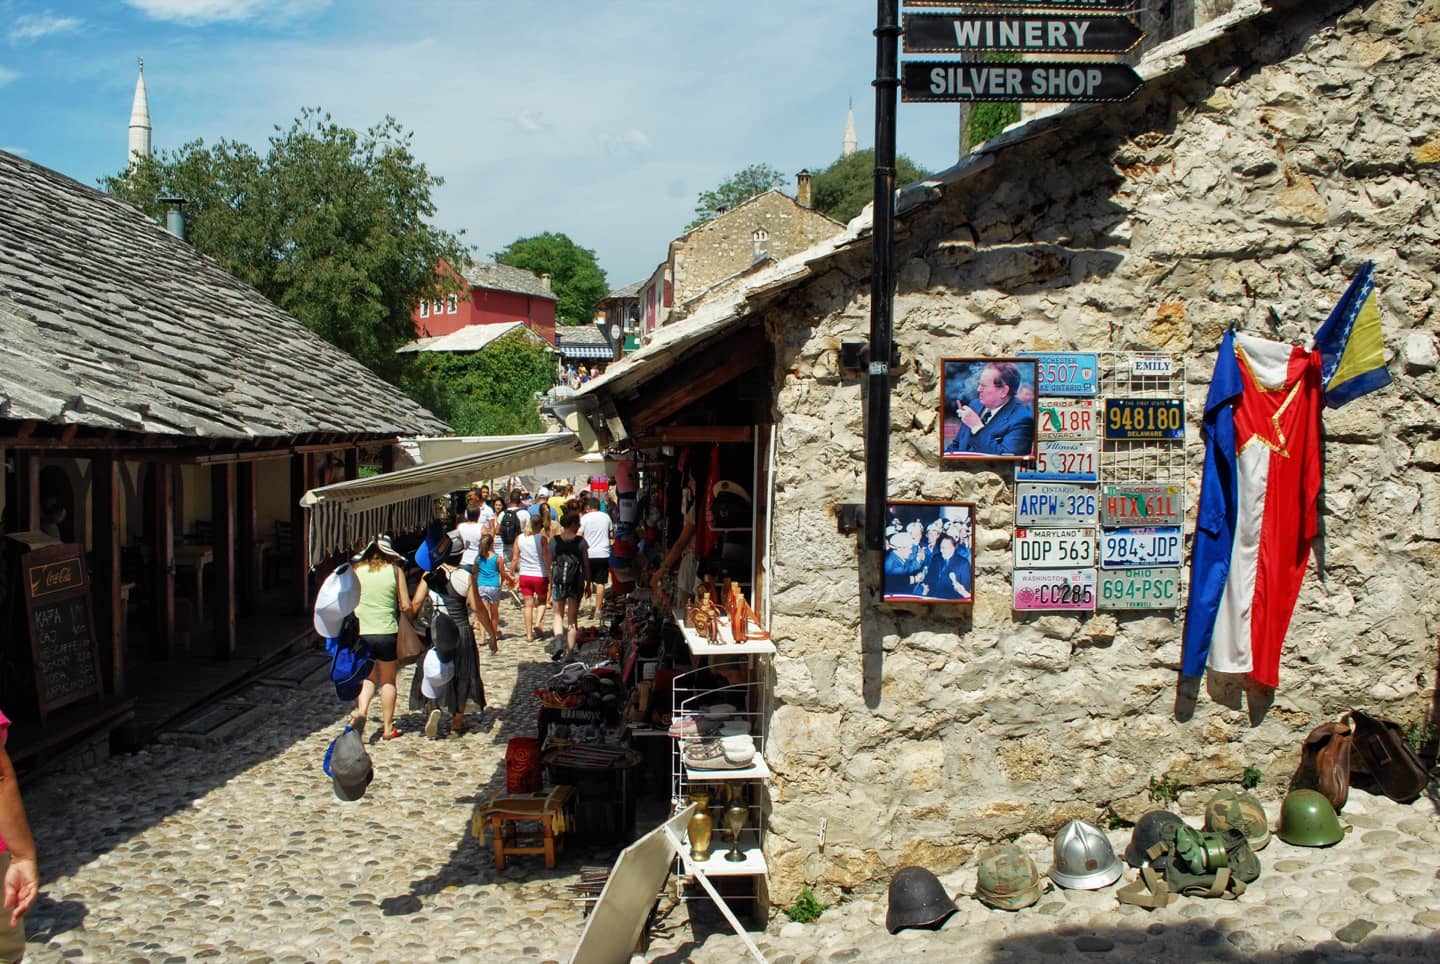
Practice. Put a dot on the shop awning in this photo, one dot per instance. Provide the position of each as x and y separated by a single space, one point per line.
346 514
586 351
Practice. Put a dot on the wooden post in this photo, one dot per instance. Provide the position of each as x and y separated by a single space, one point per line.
27 475
299 474
247 576
163 492
352 462
222 527
107 601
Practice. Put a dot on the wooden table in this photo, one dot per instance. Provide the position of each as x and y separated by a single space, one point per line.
197 558
501 813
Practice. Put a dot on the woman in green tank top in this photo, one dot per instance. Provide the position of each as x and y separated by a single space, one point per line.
384 596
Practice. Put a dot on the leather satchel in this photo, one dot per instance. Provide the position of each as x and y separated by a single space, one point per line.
1389 759
1325 763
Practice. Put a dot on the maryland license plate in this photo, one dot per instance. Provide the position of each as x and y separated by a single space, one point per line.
1145 419
1054 548
1054 504
1054 590
1145 548
1066 372
1077 418
1141 504
1139 589
1063 461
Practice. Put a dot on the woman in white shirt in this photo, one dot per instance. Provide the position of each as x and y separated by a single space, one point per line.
530 561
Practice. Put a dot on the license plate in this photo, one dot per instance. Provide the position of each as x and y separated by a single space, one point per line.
1148 548
1054 504
1152 366
1139 589
1066 590
1054 548
1069 418
1144 419
1063 461
1146 504
1066 372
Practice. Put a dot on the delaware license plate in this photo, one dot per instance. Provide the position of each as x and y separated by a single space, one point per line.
1063 461
1054 590
1145 419
1069 418
1054 548
1147 548
1066 372
1144 503
1054 504
1139 589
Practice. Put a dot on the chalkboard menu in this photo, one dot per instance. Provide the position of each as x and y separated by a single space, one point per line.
62 637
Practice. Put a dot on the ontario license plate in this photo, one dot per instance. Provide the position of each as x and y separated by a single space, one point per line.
1054 504
1145 504
1145 419
1054 548
1066 372
1077 418
1142 548
1054 590
1139 589
1063 461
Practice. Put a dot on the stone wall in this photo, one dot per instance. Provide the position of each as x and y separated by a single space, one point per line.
1244 188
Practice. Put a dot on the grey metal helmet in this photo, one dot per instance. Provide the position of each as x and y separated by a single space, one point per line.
1146 835
1007 878
1084 859
1229 810
917 899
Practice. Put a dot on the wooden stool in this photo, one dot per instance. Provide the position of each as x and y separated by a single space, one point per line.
501 813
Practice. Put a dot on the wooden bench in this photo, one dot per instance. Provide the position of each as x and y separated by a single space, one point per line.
501 813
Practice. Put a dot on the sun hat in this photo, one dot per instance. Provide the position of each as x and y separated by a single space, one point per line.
544 492
348 765
437 673
338 596
457 545
382 542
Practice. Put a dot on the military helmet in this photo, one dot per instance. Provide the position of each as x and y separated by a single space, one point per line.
1007 878
1228 810
917 899
1146 835
1084 859
1308 820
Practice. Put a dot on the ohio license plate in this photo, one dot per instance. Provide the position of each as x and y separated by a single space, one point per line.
1054 504
1065 590
1153 419
1142 503
1063 461
1139 589
1147 548
1069 418
1066 372
1054 548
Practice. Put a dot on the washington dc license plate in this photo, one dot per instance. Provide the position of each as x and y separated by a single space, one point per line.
1054 504
1069 418
1141 503
1054 548
1063 461
1150 548
1067 590
1139 589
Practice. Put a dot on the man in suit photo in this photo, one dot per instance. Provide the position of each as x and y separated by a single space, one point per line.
995 422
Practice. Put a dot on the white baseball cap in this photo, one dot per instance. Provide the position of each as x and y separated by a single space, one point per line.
437 674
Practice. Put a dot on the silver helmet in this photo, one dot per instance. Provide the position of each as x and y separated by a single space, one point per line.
1084 859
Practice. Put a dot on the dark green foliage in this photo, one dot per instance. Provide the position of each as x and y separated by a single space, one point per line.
847 185
1251 778
491 392
735 191
987 120
807 908
575 275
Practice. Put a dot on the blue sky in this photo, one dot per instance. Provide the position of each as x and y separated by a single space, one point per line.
599 119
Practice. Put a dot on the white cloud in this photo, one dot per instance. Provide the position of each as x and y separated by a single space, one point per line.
531 121
200 12
633 141
32 26
7 75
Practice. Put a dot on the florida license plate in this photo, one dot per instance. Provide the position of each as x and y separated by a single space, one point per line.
1145 419
1139 589
1054 548
1054 504
1142 503
1063 461
1054 590
1143 548
1077 418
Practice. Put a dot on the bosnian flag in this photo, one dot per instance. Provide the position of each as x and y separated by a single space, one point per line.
1258 498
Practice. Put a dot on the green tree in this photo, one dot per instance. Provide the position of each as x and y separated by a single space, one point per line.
575 275
735 191
330 224
848 184
987 120
490 392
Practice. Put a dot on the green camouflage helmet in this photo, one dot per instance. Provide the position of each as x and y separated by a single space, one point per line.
1007 878
1228 810
1308 820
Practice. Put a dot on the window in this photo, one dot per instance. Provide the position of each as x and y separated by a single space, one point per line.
452 304
424 308
758 239
437 309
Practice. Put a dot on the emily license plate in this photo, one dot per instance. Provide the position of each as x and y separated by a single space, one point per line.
1054 590
1063 461
1054 504
1054 548
1149 548
1139 589
1069 418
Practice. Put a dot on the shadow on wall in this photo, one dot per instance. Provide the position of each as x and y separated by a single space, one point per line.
1206 938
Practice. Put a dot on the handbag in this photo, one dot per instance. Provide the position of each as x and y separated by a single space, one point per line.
1385 754
1325 763
408 646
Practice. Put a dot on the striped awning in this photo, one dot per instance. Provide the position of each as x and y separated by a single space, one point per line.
345 515
586 351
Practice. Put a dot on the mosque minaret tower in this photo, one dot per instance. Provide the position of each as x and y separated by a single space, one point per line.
140 119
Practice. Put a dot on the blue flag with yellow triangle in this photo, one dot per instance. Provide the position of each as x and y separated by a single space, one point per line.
1351 348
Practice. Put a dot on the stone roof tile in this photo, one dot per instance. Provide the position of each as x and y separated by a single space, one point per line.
502 277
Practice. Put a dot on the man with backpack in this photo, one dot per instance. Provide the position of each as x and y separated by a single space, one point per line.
599 531
510 524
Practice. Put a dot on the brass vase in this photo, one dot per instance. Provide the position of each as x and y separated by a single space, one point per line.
736 813
701 826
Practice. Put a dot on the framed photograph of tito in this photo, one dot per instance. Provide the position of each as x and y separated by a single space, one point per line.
987 408
929 548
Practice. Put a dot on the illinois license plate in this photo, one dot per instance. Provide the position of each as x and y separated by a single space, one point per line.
1142 419
1066 372
1054 548
1144 503
1063 461
1055 590
1139 589
1143 548
1069 418
1054 504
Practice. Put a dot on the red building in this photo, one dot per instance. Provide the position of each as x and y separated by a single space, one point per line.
498 294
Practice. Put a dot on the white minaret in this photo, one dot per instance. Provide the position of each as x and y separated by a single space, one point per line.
140 119
848 145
